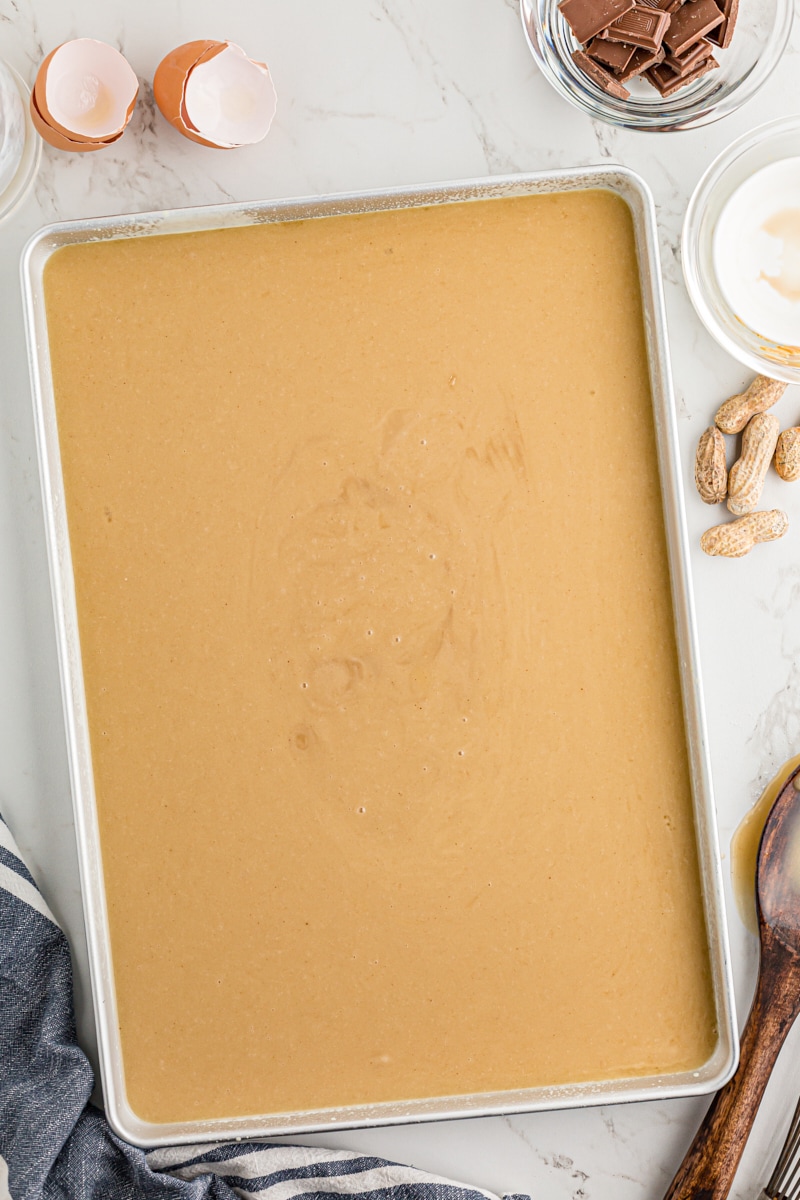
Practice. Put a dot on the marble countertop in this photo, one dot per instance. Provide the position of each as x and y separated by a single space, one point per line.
374 94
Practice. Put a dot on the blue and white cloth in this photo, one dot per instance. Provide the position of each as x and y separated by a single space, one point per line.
55 1145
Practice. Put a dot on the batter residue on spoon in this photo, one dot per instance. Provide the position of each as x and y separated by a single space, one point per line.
745 843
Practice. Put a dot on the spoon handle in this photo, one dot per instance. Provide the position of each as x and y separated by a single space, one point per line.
707 1171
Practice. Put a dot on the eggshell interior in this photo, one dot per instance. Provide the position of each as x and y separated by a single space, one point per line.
60 141
89 90
229 99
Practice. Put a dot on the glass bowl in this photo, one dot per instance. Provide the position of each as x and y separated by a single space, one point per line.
18 186
759 148
761 33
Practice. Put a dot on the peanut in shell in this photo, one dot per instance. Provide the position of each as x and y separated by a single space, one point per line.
762 393
787 454
737 538
710 471
747 475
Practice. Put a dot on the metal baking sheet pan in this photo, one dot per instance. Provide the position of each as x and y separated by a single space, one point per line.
39 250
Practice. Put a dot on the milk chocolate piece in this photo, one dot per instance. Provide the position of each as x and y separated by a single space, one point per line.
681 63
588 17
669 6
662 76
723 33
615 55
599 76
667 81
691 22
641 26
642 60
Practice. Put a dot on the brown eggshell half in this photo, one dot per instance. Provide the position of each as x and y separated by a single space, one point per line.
39 94
39 82
59 141
169 82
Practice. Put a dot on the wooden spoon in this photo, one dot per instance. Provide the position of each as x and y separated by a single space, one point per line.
707 1171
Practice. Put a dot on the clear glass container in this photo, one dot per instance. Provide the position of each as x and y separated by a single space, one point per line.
759 148
761 33
18 186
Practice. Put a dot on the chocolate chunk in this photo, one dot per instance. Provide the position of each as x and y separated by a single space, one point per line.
588 17
669 6
681 63
661 76
667 81
642 60
691 22
723 33
641 26
597 75
615 55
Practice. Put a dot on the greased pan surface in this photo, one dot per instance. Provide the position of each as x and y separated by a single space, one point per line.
489 1099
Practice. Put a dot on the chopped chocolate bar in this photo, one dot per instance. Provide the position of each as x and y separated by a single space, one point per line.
666 42
723 33
691 22
667 81
642 60
588 17
641 26
615 55
597 75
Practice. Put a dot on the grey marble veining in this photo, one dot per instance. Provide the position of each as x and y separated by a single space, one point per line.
373 93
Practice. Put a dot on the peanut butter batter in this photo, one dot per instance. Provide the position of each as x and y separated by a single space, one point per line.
379 658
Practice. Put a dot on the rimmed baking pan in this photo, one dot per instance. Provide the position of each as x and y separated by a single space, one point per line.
187 535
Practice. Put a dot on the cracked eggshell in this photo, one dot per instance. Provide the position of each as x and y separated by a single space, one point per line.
84 95
58 140
215 95
169 83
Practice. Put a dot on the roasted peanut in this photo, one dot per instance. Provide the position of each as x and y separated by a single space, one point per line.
749 471
734 414
710 472
737 538
787 454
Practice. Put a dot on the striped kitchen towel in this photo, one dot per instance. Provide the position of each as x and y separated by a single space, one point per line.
54 1144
